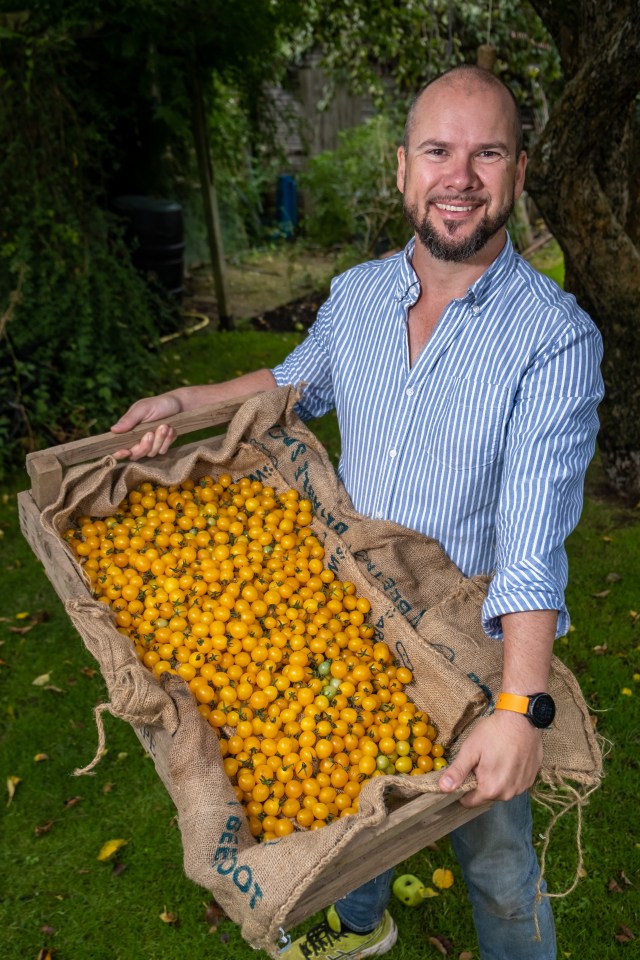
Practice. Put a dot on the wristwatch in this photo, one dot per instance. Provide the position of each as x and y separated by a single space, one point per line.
538 708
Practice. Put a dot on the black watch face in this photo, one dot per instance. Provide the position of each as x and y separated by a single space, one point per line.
542 710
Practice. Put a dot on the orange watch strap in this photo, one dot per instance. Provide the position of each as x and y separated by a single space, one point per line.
513 702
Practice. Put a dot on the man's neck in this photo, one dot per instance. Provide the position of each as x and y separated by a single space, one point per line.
450 280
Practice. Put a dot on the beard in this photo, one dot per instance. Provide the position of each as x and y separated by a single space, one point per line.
446 246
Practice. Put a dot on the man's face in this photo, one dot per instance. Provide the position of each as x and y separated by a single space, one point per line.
459 176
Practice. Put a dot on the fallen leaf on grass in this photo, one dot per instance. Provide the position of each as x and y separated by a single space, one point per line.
45 954
625 934
442 944
600 648
171 918
118 868
442 878
41 617
109 848
465 955
613 578
88 672
39 757
71 802
40 681
43 828
601 595
624 878
614 887
213 915
48 930
12 783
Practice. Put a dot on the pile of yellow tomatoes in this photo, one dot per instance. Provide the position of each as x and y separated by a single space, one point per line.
224 584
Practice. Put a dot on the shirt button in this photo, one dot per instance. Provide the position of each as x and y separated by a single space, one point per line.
475 308
409 392
393 453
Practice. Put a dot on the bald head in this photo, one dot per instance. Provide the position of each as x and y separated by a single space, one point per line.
469 79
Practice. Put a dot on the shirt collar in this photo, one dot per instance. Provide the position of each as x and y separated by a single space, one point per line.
408 284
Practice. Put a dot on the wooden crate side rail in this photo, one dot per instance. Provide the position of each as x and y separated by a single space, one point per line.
46 467
406 831
65 577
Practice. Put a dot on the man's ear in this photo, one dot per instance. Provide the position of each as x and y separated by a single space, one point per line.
401 169
521 166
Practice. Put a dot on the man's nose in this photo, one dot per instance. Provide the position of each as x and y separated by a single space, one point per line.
460 173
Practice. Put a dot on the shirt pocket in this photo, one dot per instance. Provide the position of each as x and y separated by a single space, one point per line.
468 424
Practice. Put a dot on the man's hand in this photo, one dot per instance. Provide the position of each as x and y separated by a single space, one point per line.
504 751
159 440
156 441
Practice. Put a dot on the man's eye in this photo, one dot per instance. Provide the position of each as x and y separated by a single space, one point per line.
436 153
490 156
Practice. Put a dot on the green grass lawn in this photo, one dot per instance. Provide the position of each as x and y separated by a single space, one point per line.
58 896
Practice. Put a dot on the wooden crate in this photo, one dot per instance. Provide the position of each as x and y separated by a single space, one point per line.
410 825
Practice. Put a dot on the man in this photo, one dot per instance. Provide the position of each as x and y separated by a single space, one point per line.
466 388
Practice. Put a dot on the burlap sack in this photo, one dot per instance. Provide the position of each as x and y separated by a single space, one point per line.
424 608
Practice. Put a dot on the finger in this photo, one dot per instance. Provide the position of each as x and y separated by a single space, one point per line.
162 438
127 421
120 427
143 447
455 774
473 799
153 443
169 438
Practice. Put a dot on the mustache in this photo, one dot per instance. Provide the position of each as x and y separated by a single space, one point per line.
457 198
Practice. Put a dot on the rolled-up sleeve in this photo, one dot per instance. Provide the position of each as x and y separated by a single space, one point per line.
550 442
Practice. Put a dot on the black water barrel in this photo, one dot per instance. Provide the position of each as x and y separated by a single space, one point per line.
155 232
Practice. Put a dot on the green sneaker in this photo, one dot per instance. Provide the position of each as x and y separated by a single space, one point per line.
327 940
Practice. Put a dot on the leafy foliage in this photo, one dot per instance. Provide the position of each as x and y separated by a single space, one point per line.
77 319
96 102
388 50
353 198
246 160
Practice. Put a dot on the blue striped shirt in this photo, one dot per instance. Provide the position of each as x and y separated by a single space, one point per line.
483 443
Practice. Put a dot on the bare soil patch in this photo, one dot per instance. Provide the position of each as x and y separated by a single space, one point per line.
278 289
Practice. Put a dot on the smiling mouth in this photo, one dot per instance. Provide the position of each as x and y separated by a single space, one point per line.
456 207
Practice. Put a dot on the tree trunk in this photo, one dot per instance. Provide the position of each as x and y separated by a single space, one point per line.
582 178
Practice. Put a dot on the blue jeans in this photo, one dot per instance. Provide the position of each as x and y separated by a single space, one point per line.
500 868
